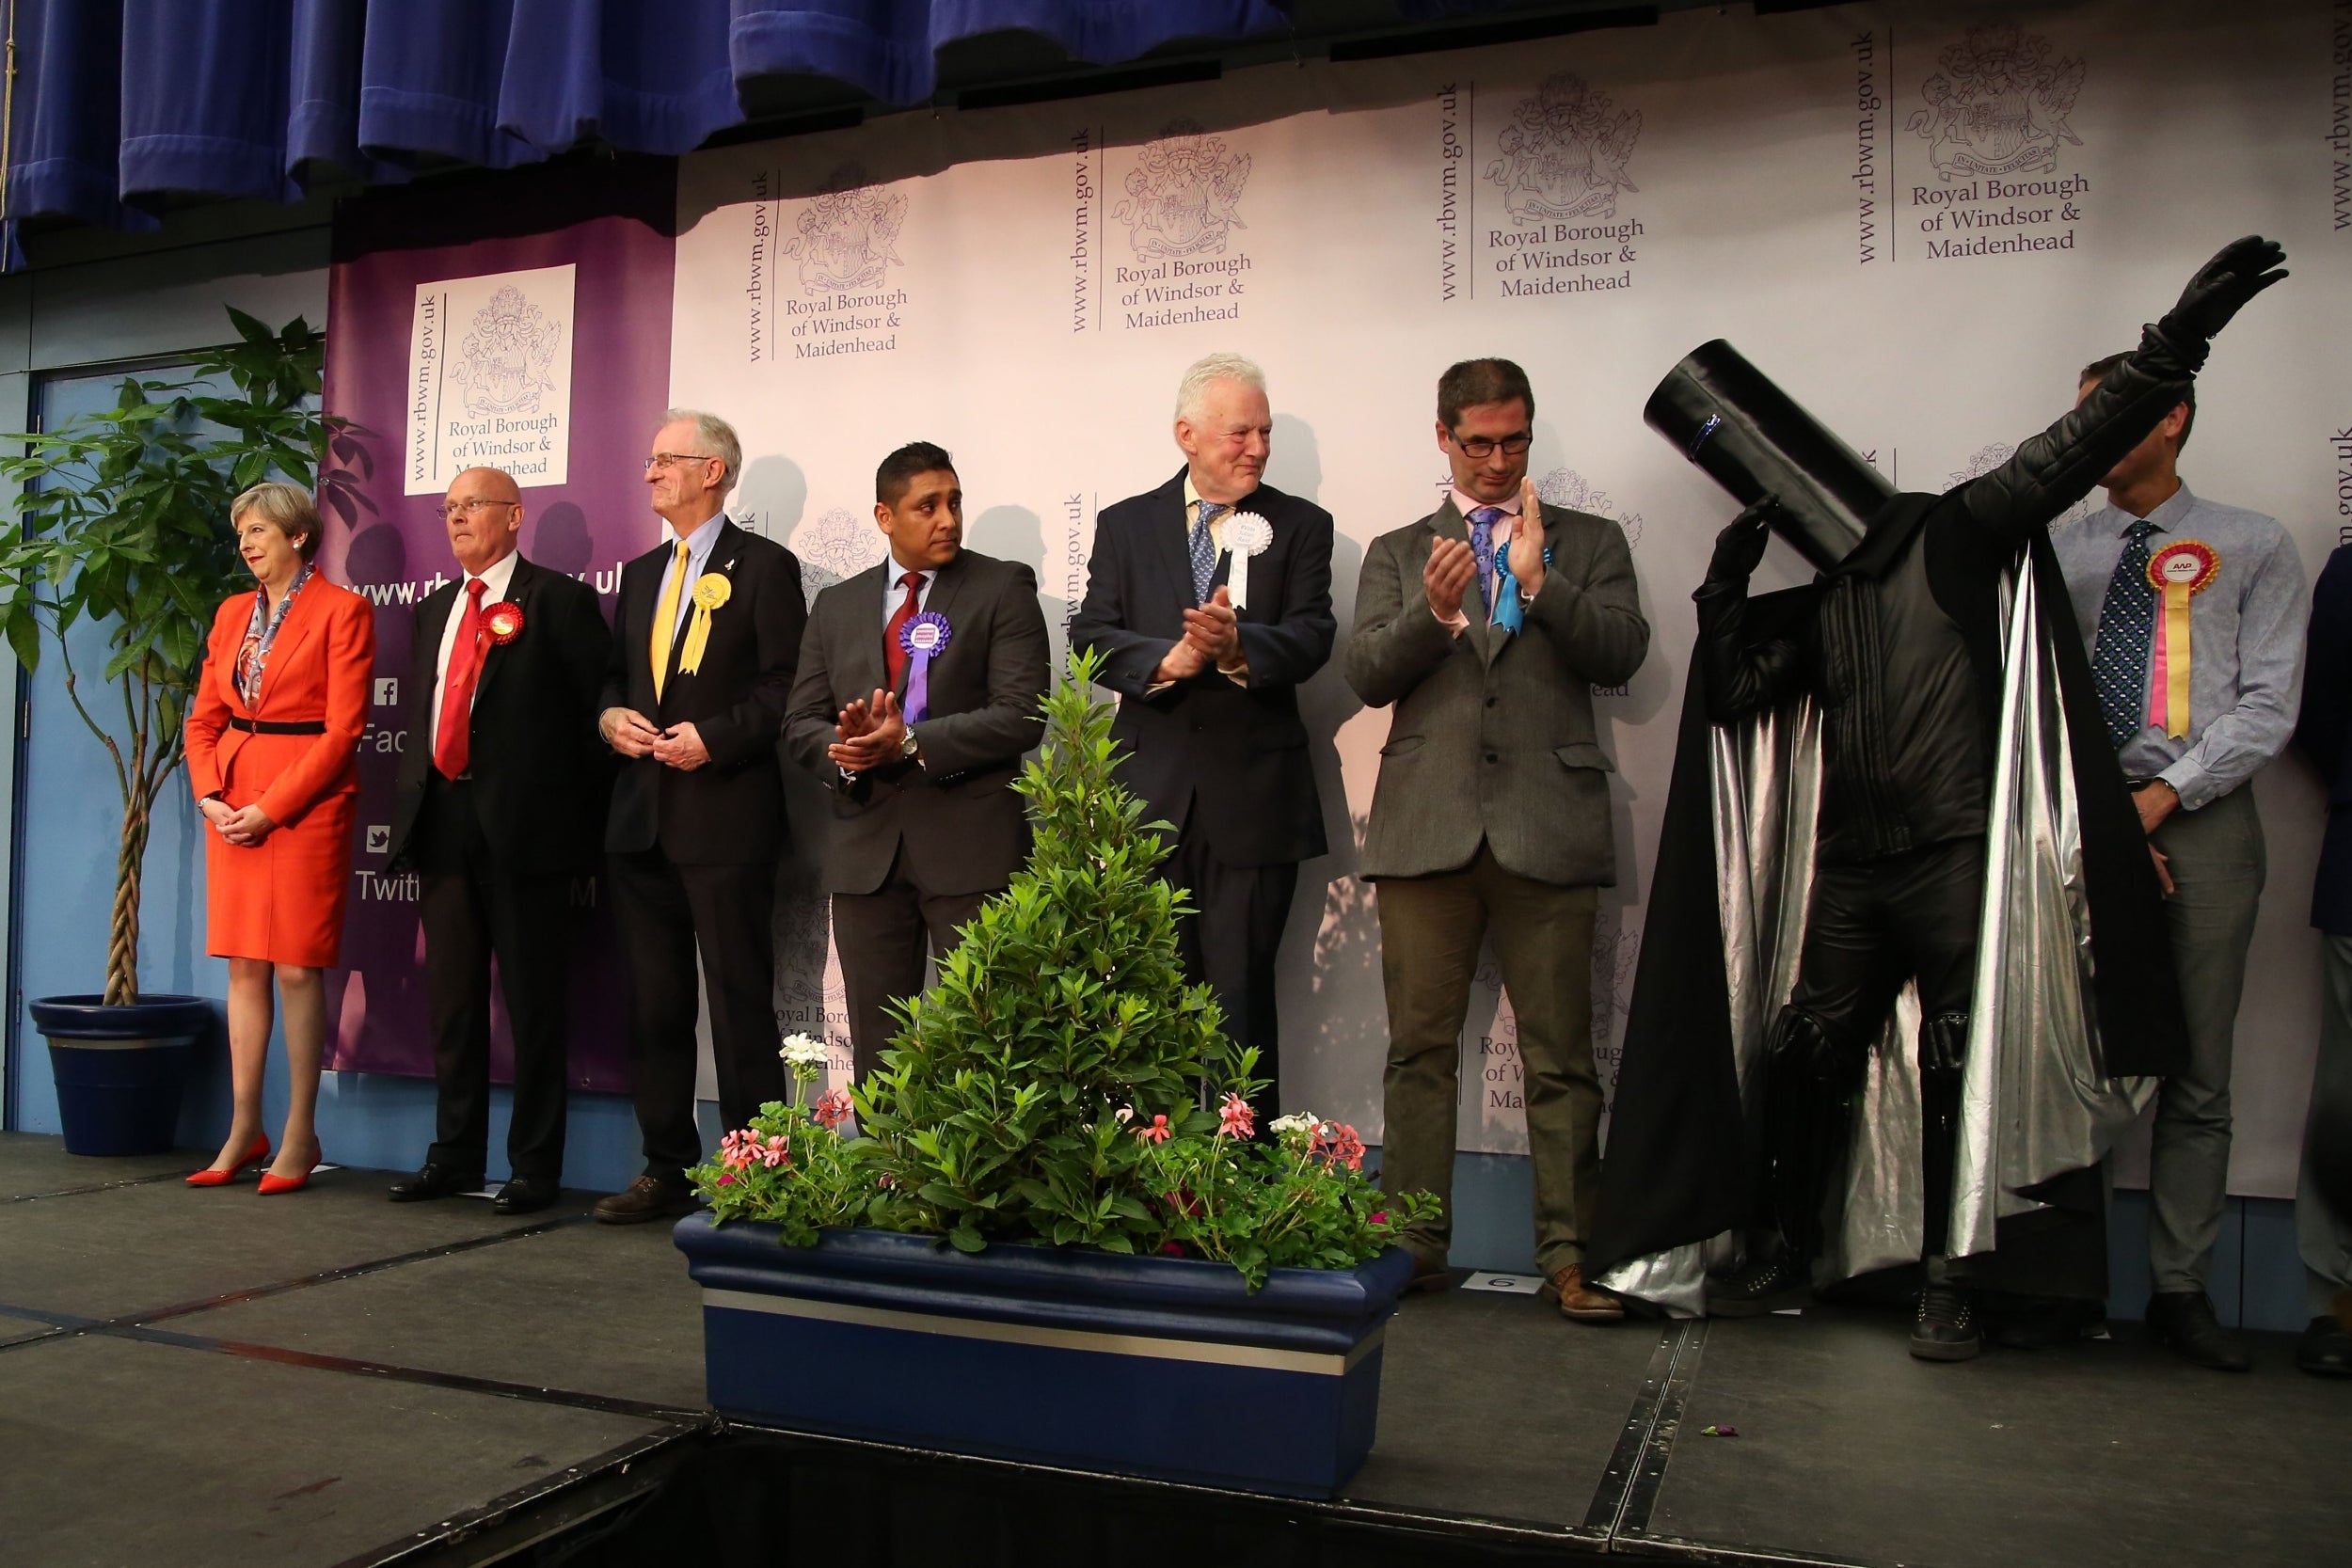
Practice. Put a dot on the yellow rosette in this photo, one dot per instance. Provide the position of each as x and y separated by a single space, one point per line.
711 591
2178 573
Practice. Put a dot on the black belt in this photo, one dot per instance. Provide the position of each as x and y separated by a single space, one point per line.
273 726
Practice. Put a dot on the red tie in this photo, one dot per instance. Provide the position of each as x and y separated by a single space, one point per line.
454 744
895 651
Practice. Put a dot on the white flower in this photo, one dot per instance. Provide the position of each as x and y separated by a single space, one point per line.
1126 1114
800 1051
1297 1121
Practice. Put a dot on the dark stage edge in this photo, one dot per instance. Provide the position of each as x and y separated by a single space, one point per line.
209 1378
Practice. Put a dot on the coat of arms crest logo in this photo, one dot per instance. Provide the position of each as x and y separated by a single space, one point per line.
847 236
1181 195
507 357
1564 153
1999 105
1568 489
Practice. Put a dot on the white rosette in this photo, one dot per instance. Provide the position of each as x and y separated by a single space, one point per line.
1247 534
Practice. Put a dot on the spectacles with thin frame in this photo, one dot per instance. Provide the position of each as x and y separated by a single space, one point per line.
671 459
454 507
1480 448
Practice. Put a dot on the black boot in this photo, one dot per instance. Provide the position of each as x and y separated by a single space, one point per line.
1945 1327
1776 1286
2185 1319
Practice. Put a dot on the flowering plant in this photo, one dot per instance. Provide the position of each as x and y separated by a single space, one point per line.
1048 1090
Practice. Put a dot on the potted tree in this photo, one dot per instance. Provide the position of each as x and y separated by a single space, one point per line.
124 522
1044 1241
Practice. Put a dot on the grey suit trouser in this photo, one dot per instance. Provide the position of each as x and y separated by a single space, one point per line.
2217 859
2324 1234
1430 932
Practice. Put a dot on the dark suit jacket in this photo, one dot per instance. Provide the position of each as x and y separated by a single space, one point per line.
1492 738
1239 752
953 814
2324 731
730 811
541 777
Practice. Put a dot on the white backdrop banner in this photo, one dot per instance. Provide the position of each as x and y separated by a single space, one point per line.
1921 219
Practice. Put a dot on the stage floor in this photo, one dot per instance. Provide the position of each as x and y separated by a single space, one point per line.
202 1378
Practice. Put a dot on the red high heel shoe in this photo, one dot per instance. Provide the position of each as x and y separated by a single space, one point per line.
272 1184
222 1177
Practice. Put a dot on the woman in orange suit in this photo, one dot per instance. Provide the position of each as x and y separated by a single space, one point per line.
273 752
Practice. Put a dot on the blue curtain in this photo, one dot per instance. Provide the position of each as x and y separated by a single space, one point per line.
123 104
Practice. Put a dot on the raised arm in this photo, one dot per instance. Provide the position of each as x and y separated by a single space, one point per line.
1740 678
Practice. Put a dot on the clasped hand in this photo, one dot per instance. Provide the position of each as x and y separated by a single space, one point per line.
632 734
243 826
873 732
1212 641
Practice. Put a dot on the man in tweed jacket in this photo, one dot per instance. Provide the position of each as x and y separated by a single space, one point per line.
1486 625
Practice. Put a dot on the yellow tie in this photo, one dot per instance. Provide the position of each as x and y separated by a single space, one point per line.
665 621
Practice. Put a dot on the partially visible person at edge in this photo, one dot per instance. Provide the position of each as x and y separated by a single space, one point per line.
273 755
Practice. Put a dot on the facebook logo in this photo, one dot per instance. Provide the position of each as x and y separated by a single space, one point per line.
387 691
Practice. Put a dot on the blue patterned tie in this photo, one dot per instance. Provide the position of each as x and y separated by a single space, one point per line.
1204 551
1483 521
2127 629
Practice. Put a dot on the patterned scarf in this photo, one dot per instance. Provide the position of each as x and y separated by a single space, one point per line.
261 634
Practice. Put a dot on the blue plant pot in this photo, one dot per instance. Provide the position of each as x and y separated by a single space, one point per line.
1166 1368
120 1070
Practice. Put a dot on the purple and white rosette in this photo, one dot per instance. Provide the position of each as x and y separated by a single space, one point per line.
1246 536
922 637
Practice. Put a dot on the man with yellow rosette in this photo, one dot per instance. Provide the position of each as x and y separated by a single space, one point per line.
704 639
2194 612
918 692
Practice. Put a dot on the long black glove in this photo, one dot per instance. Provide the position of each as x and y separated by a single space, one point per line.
1740 549
2237 273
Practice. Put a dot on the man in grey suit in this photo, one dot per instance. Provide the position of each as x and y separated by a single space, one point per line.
917 693
1486 624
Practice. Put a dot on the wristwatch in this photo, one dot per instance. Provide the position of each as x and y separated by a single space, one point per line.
906 747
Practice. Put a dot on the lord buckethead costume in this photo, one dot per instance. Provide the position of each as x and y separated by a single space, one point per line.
1897 672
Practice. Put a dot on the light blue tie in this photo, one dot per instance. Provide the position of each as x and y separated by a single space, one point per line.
1204 551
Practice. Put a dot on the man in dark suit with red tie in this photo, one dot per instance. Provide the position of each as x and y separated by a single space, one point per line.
502 793
918 692
704 639
1211 598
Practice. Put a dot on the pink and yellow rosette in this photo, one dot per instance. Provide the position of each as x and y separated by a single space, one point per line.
2178 573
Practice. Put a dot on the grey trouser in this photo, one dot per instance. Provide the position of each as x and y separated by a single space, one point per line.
2216 857
2325 1234
1430 931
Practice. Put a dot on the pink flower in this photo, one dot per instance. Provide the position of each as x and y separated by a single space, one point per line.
1236 1118
775 1152
1171 1249
1380 1216
1155 1133
833 1109
1336 1142
727 1178
737 1150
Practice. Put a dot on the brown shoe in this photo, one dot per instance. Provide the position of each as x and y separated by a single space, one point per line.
1428 1274
1579 1301
648 1198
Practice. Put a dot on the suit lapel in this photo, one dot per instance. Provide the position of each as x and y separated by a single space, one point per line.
1170 542
1447 524
860 601
518 595
300 617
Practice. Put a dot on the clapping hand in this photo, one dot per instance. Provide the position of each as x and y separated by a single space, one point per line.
1214 630
1527 541
1445 577
873 732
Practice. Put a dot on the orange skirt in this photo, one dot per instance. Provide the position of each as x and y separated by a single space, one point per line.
281 900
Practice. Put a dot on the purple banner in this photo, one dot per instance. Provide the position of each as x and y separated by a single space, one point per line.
515 323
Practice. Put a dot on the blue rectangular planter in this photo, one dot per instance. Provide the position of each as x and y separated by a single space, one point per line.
1166 1368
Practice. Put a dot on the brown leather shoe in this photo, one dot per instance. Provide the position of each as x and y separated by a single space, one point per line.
1579 1301
648 1198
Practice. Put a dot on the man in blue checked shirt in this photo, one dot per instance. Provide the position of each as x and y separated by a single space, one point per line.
2194 613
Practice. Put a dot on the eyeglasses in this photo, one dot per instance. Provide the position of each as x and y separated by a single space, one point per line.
1478 446
455 508
671 459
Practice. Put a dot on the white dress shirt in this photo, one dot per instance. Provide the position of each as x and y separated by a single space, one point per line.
494 592
894 596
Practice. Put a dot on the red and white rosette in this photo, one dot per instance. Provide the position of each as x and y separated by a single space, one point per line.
2179 572
1246 536
502 623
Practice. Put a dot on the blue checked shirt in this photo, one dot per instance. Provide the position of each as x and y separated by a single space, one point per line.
2246 637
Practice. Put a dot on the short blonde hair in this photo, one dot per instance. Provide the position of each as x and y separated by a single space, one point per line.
287 508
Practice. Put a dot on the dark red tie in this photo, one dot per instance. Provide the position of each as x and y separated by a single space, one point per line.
453 743
893 650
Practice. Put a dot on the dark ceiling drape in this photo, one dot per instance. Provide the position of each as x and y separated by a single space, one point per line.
123 103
